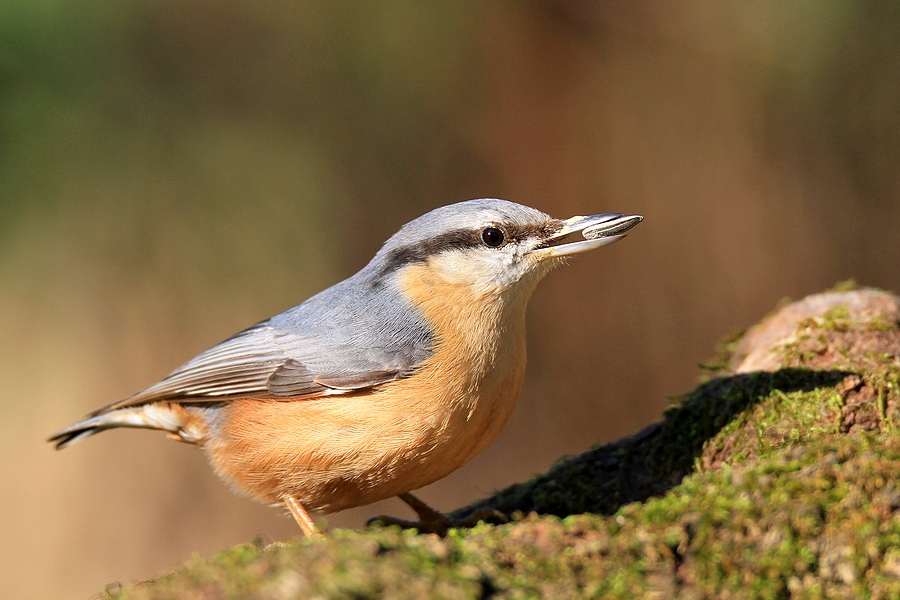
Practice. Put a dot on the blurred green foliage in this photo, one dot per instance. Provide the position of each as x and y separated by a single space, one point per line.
117 107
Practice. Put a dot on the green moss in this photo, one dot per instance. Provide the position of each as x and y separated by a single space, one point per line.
847 285
724 351
836 319
778 420
840 319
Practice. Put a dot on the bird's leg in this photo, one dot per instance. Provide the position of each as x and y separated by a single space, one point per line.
302 517
434 521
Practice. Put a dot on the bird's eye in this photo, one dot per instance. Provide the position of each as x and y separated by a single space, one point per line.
493 237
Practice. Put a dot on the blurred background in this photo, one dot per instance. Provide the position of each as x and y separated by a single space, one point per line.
174 171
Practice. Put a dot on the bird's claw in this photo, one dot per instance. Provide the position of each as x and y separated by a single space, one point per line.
488 515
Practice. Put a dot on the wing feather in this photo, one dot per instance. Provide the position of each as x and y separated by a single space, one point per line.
357 334
258 363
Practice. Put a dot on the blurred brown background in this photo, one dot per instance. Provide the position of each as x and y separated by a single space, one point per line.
173 171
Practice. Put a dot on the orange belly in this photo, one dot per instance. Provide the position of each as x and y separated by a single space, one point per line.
337 452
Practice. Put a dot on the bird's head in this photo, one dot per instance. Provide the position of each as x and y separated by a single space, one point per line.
495 246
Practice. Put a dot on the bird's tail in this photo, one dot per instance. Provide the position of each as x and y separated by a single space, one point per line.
167 417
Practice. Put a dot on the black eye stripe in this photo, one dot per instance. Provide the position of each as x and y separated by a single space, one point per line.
459 239
421 251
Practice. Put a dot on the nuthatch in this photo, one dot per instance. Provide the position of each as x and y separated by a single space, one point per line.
384 382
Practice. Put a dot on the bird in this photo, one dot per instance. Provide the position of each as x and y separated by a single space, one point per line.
381 384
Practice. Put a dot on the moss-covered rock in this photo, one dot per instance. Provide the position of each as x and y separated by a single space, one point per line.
772 483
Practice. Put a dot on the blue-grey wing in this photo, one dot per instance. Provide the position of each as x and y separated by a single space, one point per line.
334 343
243 365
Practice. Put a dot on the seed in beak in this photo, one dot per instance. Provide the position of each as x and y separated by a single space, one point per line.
611 228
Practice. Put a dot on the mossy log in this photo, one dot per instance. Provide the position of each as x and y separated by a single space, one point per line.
775 478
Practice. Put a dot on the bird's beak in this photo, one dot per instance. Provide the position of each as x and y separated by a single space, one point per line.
580 234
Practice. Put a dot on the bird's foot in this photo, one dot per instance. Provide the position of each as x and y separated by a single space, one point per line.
434 521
